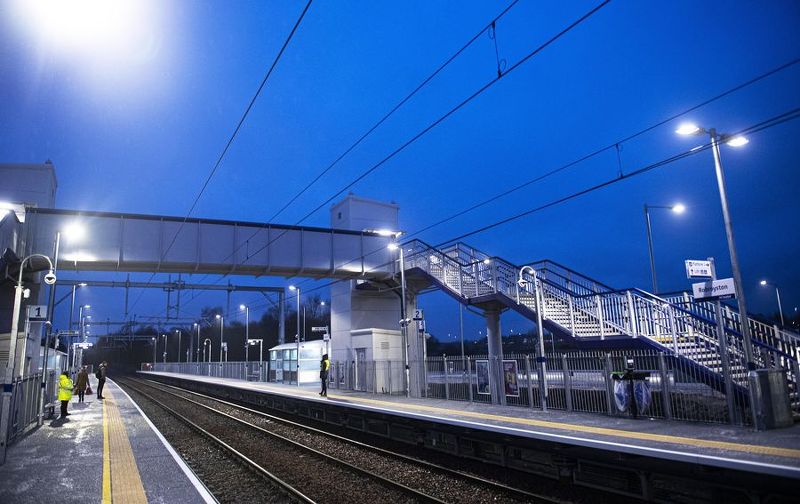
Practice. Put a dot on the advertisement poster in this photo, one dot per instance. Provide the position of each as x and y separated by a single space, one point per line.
510 378
482 369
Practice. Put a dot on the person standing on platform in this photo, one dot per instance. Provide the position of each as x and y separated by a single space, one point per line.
324 367
64 392
101 378
81 382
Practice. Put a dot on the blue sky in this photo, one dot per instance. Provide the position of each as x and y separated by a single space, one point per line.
135 124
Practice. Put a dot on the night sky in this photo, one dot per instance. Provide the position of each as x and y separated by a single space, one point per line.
134 103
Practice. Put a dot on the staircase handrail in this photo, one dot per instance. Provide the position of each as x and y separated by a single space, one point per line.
596 283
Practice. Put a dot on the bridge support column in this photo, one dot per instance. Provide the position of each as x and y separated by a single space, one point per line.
495 341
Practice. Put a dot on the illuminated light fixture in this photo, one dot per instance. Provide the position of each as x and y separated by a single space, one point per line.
80 257
74 231
82 284
763 282
737 141
487 261
217 316
392 246
678 208
242 307
688 129
322 303
292 288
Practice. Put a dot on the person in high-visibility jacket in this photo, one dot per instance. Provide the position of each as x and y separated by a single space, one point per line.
64 392
324 367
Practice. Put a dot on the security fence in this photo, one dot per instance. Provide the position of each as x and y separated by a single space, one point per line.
25 406
619 383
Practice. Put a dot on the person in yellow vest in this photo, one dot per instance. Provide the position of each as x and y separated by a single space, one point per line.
64 392
324 367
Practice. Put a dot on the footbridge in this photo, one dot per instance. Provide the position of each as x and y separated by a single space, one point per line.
113 241
574 306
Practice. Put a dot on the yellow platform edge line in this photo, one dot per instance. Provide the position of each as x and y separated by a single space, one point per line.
126 482
106 492
604 431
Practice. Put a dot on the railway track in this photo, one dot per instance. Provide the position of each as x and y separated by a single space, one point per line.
422 481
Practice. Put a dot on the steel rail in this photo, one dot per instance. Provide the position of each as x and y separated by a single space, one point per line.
413 460
247 462
364 472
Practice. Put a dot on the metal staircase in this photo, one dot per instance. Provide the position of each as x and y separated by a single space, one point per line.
575 306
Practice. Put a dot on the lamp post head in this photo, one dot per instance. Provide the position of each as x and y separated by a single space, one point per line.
82 284
292 288
487 261
763 282
678 208
74 231
737 141
393 246
242 307
322 303
86 306
688 129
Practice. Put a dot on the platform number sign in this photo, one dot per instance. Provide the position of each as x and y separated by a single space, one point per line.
37 313
418 315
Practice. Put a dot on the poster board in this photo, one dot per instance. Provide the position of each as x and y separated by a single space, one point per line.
510 378
482 370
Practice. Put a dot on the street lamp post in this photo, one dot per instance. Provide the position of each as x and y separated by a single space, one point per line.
403 318
197 351
297 336
164 358
207 343
246 310
221 335
179 344
736 141
677 208
153 339
82 328
8 376
778 295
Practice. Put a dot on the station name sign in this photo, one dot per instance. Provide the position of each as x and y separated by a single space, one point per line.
714 289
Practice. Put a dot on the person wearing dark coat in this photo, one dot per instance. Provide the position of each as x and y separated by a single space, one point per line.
81 382
101 379
324 367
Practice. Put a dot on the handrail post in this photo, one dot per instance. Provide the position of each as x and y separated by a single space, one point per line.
599 301
529 379
666 393
631 315
541 359
571 316
446 378
469 377
567 381
672 323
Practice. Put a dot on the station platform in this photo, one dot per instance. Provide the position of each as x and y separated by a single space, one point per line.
105 451
693 445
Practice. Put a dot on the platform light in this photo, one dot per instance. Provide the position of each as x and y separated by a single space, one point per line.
763 282
737 141
292 288
82 284
678 208
393 246
74 231
487 261
688 129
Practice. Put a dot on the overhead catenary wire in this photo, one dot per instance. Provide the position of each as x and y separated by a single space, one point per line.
380 121
627 138
442 118
231 138
789 115
449 113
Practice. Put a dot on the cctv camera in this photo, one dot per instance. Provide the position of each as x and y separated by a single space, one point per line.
50 278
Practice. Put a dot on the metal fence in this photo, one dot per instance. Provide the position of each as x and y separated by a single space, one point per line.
666 386
25 406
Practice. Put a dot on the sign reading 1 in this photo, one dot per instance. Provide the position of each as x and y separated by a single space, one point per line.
37 313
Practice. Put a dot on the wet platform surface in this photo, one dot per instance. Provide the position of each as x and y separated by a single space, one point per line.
775 452
104 451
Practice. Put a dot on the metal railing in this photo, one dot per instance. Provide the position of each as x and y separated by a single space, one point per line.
582 382
584 308
24 412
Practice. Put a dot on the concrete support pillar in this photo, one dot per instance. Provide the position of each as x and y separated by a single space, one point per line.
495 343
